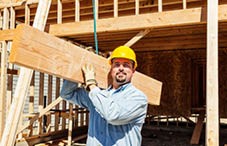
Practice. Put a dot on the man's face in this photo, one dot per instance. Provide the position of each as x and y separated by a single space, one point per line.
121 71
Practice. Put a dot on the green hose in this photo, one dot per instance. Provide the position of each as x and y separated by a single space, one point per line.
95 32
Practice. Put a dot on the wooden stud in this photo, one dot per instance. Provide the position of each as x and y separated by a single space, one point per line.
184 4
57 93
59 21
76 116
159 5
3 74
27 14
63 119
59 12
10 65
49 97
77 10
23 83
115 8
70 124
31 99
212 97
41 101
137 7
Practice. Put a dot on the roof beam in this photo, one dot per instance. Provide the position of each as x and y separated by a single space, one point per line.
143 21
67 59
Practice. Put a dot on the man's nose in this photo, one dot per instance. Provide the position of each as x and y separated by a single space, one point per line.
121 67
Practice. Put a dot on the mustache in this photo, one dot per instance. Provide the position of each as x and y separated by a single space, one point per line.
121 72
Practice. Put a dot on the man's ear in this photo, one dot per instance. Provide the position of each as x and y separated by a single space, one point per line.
133 70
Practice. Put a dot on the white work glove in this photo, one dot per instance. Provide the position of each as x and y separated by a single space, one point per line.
89 75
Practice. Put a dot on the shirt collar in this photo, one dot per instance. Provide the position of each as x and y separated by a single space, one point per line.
121 88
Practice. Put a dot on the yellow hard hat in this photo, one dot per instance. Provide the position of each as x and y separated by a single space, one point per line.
123 52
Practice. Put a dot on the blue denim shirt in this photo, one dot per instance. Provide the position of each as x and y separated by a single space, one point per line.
116 116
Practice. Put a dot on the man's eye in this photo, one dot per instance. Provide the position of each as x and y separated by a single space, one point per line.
126 65
117 64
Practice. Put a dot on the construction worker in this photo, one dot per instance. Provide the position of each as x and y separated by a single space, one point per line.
116 113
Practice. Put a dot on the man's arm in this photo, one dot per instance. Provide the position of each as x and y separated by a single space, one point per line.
74 94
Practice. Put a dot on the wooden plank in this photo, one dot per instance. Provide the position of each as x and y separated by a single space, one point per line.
64 53
136 38
142 21
23 83
17 3
198 129
212 96
125 23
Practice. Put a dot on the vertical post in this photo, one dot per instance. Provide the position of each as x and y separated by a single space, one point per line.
184 4
159 5
212 112
137 5
115 8
3 73
57 93
27 14
10 65
9 135
96 9
41 101
59 12
31 99
49 97
70 124
77 10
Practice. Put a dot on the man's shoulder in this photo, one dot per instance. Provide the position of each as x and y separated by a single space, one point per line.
136 90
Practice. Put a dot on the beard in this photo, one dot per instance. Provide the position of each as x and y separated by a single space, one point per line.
121 77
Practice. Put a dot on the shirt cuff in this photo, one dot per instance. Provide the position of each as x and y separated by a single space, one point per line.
94 92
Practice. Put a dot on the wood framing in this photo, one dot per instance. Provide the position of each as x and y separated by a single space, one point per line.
23 83
66 60
212 95
135 22
3 87
6 35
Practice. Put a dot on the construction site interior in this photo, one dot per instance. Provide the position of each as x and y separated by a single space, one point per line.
169 38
